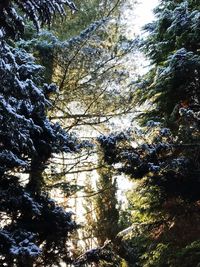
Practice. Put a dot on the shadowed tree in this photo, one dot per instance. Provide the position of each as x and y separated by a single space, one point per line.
34 230
165 162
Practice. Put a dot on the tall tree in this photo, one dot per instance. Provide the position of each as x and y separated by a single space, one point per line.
165 162
94 90
34 230
105 225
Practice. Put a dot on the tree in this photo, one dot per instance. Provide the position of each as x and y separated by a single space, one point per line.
163 158
102 204
34 230
106 225
90 73
92 91
172 46
88 12
40 13
89 68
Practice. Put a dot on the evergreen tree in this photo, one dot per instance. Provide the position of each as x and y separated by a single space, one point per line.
173 47
88 12
107 214
165 161
34 230
105 223
89 70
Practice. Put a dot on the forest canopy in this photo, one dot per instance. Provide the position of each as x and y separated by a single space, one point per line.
99 164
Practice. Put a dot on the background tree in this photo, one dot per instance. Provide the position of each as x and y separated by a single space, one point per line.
90 71
106 225
93 89
88 12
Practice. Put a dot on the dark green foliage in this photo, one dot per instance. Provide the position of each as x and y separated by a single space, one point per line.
35 219
106 226
173 46
39 12
177 26
165 162
26 131
34 229
165 204
28 139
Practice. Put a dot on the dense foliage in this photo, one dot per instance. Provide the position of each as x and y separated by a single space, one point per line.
173 46
34 230
163 158
89 69
39 12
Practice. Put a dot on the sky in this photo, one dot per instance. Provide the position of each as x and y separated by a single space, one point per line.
144 11
137 17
